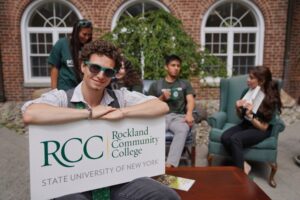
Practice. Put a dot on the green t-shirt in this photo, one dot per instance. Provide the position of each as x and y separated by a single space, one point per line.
61 57
179 90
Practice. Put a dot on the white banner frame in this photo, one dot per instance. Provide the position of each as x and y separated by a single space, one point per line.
66 158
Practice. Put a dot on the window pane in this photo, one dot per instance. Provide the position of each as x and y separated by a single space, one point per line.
33 48
252 37
215 48
208 37
150 7
44 16
244 37
223 48
247 45
241 64
238 10
231 14
244 48
236 48
42 49
49 48
213 21
49 38
236 38
71 19
39 66
137 9
224 10
32 37
251 48
41 38
224 38
216 38
209 48
249 20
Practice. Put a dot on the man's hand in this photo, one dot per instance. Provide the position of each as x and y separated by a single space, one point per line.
101 110
166 94
114 115
189 119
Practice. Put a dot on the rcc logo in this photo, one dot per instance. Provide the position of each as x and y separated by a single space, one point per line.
64 160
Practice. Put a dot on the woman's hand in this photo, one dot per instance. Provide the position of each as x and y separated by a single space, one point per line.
240 103
249 108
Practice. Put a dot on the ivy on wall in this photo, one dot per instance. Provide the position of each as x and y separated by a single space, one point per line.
146 40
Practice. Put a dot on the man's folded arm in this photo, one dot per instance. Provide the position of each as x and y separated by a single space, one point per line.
41 113
150 108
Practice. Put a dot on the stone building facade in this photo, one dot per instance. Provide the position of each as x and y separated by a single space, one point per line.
276 30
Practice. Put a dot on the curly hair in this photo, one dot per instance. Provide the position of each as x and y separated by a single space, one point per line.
272 101
132 76
101 47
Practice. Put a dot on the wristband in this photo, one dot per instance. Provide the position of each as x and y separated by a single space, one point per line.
90 113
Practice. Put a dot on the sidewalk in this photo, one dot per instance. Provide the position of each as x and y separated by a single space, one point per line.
14 166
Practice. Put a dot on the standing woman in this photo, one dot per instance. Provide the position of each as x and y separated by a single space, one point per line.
255 126
64 56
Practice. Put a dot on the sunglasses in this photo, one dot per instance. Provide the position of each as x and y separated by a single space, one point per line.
84 23
95 69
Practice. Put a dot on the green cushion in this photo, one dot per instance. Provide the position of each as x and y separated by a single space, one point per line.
215 133
236 86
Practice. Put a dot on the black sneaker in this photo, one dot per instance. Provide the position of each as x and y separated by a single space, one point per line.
297 160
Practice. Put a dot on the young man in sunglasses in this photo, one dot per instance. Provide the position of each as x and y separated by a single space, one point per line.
101 60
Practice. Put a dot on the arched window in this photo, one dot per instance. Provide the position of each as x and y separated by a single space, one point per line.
233 31
43 23
133 8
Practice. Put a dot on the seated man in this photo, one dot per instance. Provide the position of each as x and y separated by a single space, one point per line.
179 96
100 62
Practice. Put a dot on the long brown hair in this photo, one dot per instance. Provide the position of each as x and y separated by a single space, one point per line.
272 101
75 45
132 76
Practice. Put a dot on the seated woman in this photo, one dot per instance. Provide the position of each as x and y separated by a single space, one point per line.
257 114
127 77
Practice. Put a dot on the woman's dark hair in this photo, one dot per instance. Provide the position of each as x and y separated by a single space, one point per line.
132 76
272 101
75 44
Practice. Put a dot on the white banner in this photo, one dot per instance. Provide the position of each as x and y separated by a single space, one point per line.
91 154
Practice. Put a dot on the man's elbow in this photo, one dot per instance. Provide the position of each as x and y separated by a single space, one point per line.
165 107
28 117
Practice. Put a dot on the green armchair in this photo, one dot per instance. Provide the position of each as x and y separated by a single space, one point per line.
266 151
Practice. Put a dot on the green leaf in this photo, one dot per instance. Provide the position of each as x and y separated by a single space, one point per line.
159 34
